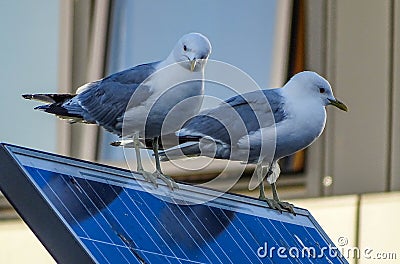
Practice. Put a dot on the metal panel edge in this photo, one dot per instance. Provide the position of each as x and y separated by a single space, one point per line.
45 224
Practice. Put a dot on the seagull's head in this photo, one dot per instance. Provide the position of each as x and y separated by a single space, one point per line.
313 85
192 51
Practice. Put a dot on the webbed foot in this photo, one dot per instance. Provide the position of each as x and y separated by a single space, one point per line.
148 176
153 176
279 205
167 179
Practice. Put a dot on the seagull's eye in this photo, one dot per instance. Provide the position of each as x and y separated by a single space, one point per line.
321 90
184 48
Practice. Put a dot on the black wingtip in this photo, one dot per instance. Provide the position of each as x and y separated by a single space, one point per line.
27 96
115 143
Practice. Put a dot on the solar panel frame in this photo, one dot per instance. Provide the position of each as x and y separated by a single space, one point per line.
45 224
53 230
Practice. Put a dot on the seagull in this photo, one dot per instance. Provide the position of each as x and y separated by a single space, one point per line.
134 103
260 127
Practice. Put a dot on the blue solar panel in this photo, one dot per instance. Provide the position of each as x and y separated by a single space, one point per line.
90 213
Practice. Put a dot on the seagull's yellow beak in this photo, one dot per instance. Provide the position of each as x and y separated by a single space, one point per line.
193 64
338 104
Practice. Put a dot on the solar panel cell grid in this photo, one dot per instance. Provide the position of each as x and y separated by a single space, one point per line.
116 221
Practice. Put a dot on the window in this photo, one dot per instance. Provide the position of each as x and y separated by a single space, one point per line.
251 36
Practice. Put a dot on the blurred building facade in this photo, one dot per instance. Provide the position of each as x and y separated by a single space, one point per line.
349 179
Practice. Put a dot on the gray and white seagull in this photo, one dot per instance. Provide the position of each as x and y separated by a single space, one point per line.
261 127
134 103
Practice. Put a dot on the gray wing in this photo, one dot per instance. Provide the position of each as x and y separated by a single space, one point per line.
238 116
104 102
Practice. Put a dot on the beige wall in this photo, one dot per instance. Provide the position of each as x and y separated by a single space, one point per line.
19 245
367 222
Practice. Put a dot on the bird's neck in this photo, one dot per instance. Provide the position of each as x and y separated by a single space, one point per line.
169 74
168 61
302 106
307 112
176 72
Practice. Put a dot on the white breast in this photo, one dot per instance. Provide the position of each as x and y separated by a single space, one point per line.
304 124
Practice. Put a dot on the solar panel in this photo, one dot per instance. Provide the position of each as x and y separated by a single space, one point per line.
84 212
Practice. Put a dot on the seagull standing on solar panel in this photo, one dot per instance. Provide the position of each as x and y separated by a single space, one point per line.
285 119
139 96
